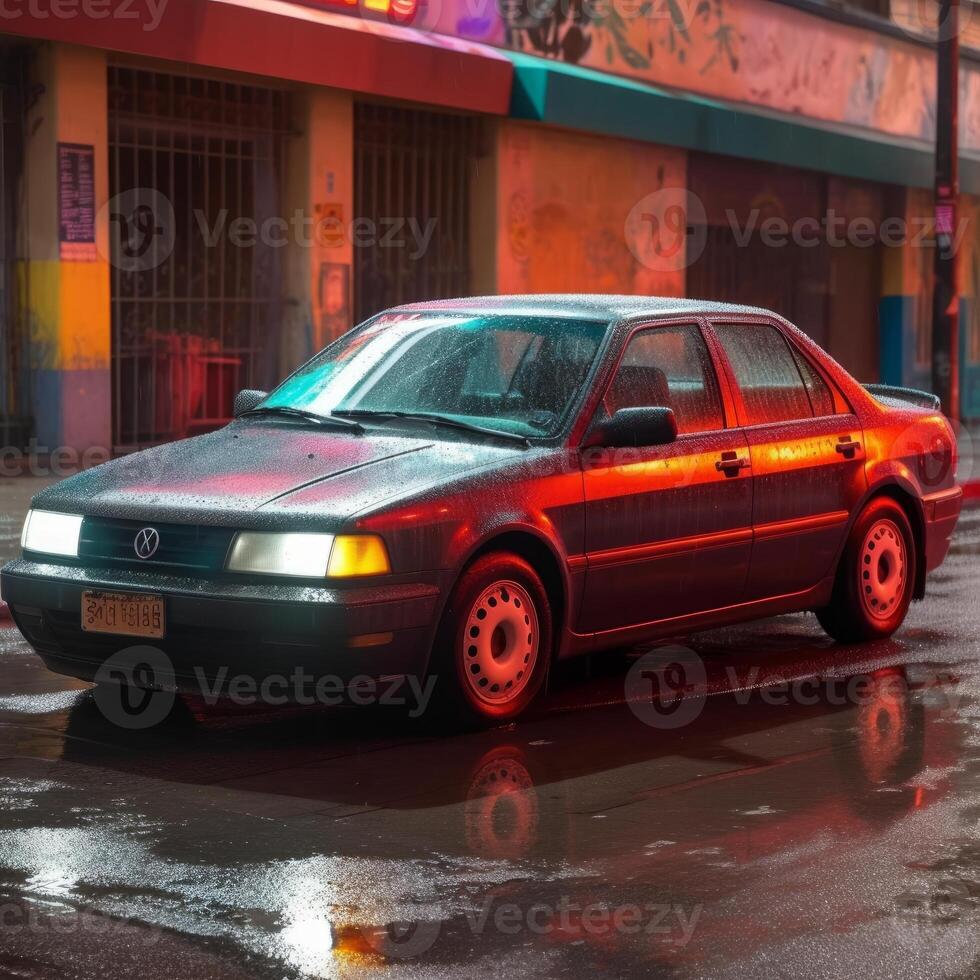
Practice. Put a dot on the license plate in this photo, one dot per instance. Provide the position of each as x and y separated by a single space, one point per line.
122 613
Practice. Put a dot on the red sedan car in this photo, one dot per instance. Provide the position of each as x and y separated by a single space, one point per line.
466 490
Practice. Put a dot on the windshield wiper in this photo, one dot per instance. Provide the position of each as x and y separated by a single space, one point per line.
301 413
434 419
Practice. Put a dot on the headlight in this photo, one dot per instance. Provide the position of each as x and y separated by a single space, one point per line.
308 555
51 533
281 554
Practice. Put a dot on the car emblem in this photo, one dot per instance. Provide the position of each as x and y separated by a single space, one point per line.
146 543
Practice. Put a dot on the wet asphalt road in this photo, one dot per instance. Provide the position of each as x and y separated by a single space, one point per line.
804 810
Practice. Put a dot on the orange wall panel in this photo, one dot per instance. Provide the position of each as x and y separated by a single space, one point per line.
567 213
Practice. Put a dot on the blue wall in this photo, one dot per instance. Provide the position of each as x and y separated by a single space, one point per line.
896 317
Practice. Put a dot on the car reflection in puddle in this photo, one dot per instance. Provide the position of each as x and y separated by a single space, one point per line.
799 776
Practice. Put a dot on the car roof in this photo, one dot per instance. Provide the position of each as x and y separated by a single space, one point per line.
581 306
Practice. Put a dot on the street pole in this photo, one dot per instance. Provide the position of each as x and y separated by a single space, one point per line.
945 301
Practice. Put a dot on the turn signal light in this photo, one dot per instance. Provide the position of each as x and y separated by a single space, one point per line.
353 555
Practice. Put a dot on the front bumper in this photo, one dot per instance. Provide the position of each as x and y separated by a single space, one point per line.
219 630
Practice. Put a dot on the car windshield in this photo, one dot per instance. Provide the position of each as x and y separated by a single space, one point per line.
515 374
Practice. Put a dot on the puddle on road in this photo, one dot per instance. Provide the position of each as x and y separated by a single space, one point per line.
759 823
44 703
818 809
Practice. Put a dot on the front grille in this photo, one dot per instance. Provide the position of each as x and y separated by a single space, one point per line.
188 548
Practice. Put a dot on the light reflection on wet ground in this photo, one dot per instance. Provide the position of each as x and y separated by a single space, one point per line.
828 832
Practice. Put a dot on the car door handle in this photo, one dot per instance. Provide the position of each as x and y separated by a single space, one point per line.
730 463
847 446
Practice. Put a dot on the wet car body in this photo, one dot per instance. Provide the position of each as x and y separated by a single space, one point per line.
742 521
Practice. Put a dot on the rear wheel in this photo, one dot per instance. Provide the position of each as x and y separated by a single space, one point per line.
876 576
495 641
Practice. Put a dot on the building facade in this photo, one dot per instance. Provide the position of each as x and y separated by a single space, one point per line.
199 194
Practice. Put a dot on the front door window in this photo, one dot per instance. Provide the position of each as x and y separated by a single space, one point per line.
669 367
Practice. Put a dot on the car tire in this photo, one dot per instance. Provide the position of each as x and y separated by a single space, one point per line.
494 644
876 576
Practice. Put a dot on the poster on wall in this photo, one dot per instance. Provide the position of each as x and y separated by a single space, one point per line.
334 300
76 202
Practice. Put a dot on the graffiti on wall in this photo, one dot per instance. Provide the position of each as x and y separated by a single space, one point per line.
750 51
579 31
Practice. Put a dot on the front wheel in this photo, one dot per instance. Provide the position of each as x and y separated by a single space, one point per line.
875 578
495 641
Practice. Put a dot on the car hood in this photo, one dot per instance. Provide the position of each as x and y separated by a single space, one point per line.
266 474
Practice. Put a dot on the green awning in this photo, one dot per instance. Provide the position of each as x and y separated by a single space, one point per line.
581 98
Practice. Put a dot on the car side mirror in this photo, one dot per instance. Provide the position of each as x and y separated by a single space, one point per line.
634 427
247 399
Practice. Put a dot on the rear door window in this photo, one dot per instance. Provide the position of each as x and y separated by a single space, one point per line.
821 398
766 371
